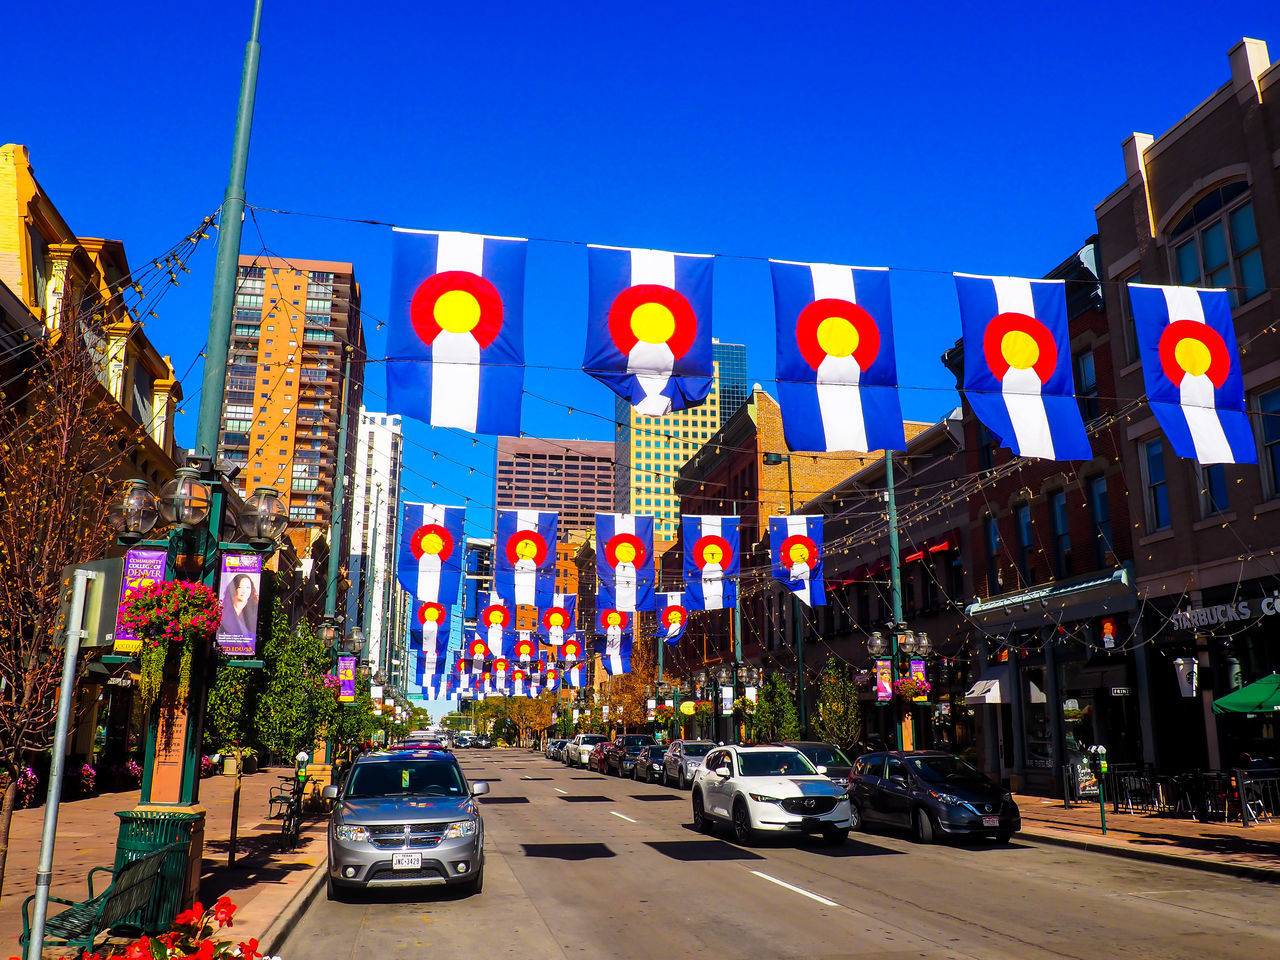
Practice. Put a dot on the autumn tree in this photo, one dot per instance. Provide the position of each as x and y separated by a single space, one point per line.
837 715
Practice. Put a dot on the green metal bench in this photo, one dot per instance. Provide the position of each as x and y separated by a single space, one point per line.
122 904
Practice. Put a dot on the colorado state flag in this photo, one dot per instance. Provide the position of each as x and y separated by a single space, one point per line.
1017 365
429 628
624 562
711 562
673 617
649 327
1191 370
559 620
837 377
455 344
524 564
431 552
795 548
615 647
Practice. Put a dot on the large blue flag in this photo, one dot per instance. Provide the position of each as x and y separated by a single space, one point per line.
524 557
614 646
1191 369
455 342
837 376
711 562
559 620
1017 365
649 327
429 628
673 618
624 562
795 553
431 552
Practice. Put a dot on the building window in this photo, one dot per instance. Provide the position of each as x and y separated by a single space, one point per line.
1269 407
1100 515
1061 534
993 556
1087 386
1213 489
1157 487
986 447
1126 317
1022 515
1216 244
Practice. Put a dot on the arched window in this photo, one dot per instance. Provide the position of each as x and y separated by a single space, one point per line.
1216 245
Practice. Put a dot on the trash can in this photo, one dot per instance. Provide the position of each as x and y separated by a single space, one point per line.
143 832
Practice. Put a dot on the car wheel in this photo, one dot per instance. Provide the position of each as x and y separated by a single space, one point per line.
835 837
742 831
924 826
855 816
335 893
663 778
680 780
701 822
1004 836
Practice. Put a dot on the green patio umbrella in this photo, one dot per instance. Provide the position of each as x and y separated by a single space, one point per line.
1261 696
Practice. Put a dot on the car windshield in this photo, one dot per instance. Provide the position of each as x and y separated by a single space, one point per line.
593 738
695 749
655 753
775 763
405 777
944 769
636 741
825 754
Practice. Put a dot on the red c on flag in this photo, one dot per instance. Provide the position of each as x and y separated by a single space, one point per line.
431 613
478 648
432 539
805 544
495 615
837 328
631 547
555 617
712 549
655 314
459 302
613 618
526 545
674 615
524 648
1019 341
571 649
1189 347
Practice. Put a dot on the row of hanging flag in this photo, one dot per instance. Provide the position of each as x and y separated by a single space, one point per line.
456 348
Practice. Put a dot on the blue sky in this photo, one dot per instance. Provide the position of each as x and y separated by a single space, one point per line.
925 137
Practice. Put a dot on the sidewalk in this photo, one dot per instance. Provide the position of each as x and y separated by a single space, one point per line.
1220 847
262 883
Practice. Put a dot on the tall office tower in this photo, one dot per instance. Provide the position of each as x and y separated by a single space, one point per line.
649 451
375 533
280 410
573 477
731 368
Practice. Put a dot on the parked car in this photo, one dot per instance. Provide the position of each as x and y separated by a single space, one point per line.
461 742
683 757
555 749
648 766
826 757
405 819
598 757
768 789
622 753
932 793
579 749
481 743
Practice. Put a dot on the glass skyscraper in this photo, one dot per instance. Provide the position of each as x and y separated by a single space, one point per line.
731 363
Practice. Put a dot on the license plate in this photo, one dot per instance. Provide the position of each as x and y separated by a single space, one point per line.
406 861
991 821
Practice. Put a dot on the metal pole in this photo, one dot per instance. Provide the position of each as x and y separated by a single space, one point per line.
339 493
230 224
44 871
369 576
797 614
895 590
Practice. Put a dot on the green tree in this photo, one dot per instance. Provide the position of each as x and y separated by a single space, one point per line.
352 724
293 706
233 702
837 715
776 717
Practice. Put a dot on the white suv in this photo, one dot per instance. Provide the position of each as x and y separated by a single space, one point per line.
579 749
768 789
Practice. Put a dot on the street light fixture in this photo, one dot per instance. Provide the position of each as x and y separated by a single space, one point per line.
907 643
923 647
355 641
185 499
263 518
875 644
135 513
328 633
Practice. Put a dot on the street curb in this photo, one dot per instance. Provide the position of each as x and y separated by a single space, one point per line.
1263 874
278 932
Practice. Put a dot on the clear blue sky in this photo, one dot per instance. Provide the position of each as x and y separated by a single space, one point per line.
927 137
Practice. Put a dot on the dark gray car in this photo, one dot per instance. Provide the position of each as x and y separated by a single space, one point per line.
405 819
683 757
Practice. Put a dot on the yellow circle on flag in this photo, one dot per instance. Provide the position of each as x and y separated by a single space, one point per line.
526 548
625 553
712 553
1193 356
838 337
687 708
1020 349
457 311
653 322
432 544
799 553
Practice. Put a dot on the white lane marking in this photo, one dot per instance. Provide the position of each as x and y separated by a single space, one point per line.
621 816
558 790
794 889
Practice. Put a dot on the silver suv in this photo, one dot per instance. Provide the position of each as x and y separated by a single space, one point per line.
405 819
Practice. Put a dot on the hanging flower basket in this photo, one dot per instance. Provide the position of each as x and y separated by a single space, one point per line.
170 618
702 711
744 709
908 688
664 714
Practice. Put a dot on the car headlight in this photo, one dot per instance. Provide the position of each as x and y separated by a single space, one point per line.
350 834
949 799
761 798
460 828
692 764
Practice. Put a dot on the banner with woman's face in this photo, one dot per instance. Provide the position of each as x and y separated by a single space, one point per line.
239 589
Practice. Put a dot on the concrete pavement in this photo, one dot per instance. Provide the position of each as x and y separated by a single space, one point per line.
584 866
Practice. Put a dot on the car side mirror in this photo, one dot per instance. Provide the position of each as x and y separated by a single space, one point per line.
899 779
329 792
822 769
479 788
723 772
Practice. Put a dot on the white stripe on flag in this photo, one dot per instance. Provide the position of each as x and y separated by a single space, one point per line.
798 526
831 282
455 357
712 573
460 251
625 575
1199 406
1021 388
839 396
525 577
652 363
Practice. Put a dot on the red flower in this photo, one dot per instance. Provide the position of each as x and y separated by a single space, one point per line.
192 917
223 911
139 950
249 950
205 951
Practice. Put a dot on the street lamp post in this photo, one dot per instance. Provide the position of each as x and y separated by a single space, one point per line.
802 710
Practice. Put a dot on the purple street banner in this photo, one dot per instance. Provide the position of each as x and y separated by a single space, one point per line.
346 679
241 582
918 674
884 680
142 567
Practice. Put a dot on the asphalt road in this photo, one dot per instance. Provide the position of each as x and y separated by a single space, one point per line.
578 865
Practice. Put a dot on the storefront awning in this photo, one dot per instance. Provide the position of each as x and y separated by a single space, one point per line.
913 557
994 687
1095 595
948 541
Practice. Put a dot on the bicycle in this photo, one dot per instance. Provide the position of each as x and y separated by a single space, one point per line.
285 804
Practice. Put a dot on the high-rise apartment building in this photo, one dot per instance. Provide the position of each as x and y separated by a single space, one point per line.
649 451
573 477
375 513
284 383
731 369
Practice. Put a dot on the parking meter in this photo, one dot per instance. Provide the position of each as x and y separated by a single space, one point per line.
1098 762
302 759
